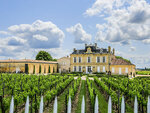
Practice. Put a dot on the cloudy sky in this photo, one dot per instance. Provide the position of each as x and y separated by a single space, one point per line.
58 26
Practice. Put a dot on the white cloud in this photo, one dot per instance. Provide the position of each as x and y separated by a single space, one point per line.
15 41
4 33
126 23
59 52
141 61
146 41
0 51
40 37
79 33
25 39
104 6
38 34
132 48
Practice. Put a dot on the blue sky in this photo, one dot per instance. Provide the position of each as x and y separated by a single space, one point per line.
27 26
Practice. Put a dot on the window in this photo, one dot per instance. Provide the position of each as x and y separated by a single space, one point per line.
98 69
79 59
80 69
103 68
75 69
64 63
113 70
89 59
98 59
126 70
75 59
104 59
120 71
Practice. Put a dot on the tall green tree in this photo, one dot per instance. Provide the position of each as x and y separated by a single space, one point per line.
43 55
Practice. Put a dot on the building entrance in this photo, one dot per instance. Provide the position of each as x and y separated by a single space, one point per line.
89 69
26 68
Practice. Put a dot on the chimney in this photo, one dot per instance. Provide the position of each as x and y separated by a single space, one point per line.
74 49
85 45
113 51
109 49
96 45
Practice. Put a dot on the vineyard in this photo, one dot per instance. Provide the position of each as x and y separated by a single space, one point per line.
143 72
71 88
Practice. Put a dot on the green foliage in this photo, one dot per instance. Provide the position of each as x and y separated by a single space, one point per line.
32 85
43 55
77 73
91 89
54 59
119 57
74 88
129 88
52 85
143 72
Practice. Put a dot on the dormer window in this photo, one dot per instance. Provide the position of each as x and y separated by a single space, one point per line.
88 50
101 50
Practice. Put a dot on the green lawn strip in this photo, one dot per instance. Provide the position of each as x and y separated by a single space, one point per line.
82 92
103 105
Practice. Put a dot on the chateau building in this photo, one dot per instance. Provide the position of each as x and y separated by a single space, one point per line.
93 59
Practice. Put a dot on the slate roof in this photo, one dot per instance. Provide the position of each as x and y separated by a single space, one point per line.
27 61
120 62
93 49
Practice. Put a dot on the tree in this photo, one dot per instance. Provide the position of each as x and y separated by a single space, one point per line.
43 55
49 71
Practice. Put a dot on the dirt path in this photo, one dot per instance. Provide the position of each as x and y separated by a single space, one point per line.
75 102
49 109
